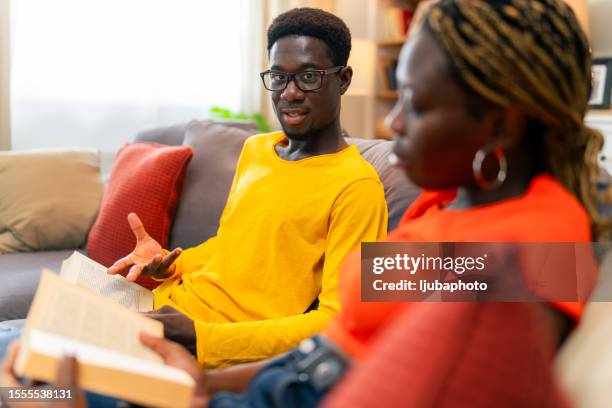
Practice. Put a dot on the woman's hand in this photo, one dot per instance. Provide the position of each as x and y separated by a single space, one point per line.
67 379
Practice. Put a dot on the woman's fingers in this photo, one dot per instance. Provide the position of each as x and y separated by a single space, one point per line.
8 377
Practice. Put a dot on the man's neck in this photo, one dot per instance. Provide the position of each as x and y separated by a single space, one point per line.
325 141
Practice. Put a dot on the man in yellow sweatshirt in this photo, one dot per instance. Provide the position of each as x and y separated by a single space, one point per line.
301 199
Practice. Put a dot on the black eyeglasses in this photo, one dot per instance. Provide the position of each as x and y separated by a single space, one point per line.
310 80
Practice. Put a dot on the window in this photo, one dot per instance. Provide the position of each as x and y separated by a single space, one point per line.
92 73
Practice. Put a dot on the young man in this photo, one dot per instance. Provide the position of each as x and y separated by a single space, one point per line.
301 199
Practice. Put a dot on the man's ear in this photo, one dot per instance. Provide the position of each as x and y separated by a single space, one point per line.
346 76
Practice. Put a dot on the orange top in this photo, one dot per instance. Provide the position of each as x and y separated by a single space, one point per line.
545 213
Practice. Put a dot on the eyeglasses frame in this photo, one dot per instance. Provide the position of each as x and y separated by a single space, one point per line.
292 77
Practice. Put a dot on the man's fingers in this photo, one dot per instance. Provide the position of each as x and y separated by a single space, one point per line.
154 264
120 265
169 259
159 345
8 378
137 228
167 309
68 378
134 273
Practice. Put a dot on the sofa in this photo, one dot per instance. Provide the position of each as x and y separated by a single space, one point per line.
216 147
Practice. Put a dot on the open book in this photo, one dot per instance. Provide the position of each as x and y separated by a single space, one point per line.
86 272
66 318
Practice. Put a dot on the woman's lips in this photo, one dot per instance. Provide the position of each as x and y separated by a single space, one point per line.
396 161
398 154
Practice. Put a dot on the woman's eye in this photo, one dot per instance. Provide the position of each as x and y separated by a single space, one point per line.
418 109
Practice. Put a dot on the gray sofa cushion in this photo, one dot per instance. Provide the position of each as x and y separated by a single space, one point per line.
168 135
19 274
216 148
175 134
399 191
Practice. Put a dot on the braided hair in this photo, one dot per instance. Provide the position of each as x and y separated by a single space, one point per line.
530 54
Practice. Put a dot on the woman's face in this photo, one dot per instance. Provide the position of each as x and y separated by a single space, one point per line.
437 136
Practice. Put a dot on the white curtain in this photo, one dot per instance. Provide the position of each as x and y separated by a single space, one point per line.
252 40
5 64
92 73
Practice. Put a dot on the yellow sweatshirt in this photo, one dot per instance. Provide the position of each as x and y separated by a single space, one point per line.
282 237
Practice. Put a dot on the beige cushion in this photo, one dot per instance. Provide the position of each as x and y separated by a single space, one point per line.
48 199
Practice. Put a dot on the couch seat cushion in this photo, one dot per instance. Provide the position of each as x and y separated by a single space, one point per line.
19 276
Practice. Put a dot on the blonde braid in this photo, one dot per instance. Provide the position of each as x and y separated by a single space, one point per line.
534 55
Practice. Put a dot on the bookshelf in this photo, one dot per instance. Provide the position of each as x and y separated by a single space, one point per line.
378 28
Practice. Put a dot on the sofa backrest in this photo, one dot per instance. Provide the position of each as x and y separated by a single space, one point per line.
216 147
399 191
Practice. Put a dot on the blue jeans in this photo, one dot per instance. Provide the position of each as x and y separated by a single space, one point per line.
9 331
279 384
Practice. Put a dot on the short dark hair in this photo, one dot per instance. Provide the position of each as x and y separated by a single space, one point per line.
315 23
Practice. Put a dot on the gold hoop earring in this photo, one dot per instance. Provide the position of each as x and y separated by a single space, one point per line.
479 158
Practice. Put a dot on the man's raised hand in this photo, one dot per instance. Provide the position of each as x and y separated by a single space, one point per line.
147 257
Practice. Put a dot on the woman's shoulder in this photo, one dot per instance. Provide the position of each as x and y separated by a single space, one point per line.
546 212
547 198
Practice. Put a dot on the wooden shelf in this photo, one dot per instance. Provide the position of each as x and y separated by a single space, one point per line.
401 3
381 40
387 94
600 112
398 42
382 131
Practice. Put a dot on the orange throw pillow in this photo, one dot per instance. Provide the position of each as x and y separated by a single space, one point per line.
146 179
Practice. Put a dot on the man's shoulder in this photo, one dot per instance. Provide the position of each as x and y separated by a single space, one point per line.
356 166
259 143
263 139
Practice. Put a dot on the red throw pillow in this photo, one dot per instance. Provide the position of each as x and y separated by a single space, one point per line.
146 179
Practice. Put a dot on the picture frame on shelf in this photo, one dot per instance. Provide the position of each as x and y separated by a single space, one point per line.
602 83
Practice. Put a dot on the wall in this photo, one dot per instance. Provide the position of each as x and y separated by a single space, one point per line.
600 16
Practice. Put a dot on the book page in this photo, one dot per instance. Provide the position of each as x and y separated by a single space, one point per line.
86 272
72 311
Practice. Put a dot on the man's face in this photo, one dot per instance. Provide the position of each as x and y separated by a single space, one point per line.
301 113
